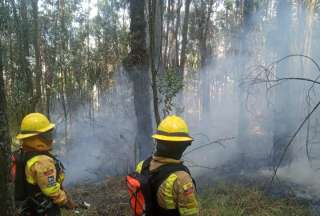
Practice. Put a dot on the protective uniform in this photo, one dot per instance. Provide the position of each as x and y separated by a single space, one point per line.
43 173
178 191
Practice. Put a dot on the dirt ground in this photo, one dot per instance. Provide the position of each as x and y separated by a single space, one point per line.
106 198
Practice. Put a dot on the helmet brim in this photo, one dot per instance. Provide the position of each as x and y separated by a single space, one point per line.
171 138
21 136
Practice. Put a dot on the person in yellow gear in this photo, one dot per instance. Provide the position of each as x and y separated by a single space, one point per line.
38 187
176 195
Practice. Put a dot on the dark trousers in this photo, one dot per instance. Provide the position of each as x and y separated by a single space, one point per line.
54 211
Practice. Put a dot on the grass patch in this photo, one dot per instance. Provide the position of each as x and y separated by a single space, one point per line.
235 200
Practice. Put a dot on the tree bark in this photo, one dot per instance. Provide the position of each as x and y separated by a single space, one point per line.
206 11
184 41
6 195
36 45
176 33
167 36
137 67
28 102
155 35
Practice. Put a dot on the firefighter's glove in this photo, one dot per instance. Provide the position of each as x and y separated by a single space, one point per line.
71 204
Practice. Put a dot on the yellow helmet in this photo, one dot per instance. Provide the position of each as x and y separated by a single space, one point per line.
34 124
173 128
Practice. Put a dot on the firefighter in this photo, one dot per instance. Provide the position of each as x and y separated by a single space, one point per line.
176 195
39 188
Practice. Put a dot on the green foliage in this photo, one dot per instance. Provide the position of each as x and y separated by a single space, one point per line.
169 85
78 52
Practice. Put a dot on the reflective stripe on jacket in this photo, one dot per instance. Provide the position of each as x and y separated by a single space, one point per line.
177 191
41 170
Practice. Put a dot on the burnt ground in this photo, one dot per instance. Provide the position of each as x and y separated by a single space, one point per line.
220 198
246 174
108 197
239 185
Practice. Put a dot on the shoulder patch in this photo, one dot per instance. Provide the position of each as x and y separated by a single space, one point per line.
188 189
187 186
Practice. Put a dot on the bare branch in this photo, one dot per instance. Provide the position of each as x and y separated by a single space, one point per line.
292 139
219 141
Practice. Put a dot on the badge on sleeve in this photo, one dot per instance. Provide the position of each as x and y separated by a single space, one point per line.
188 189
51 181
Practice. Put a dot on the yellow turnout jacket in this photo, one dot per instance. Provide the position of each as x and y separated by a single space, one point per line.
41 170
177 191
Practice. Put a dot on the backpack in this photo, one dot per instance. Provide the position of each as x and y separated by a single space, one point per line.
143 187
18 175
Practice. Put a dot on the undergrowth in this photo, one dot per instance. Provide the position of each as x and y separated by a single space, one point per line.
220 200
236 200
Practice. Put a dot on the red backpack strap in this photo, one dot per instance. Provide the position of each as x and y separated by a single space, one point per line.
13 167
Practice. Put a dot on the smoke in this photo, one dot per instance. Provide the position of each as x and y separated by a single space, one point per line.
98 140
219 101
222 101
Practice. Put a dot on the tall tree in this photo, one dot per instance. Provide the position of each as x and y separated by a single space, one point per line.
247 26
155 35
205 51
283 125
36 45
176 34
184 41
137 66
183 56
6 198
169 20
26 89
309 23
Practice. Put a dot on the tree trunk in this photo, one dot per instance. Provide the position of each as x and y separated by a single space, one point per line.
176 33
137 67
184 41
36 45
25 102
182 58
309 22
244 54
167 36
6 195
206 11
155 34
282 116
307 48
